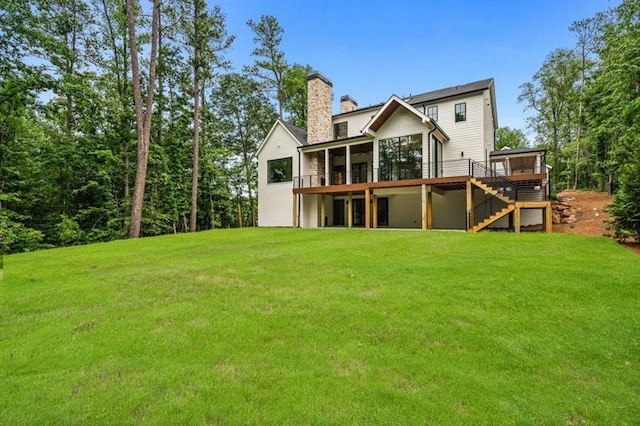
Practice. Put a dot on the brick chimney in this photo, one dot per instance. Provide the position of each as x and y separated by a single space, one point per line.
347 104
319 128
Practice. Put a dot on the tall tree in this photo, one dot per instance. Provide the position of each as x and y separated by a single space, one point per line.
551 96
245 117
207 39
270 65
143 112
295 94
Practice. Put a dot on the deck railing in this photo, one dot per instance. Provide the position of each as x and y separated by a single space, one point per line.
462 167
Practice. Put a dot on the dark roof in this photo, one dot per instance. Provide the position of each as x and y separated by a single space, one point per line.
448 92
516 151
436 94
297 132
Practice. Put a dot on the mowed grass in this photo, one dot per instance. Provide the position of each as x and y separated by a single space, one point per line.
290 326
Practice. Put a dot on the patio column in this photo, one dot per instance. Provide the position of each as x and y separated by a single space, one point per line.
470 218
516 219
322 211
295 210
350 211
424 207
375 211
326 167
348 164
367 208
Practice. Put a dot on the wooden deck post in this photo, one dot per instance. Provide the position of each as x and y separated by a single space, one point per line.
424 207
548 218
350 211
367 208
516 219
375 211
322 211
471 218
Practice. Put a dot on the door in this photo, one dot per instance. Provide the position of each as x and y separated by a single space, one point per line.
383 211
338 212
358 212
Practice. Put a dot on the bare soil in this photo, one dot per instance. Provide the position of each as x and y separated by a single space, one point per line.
591 217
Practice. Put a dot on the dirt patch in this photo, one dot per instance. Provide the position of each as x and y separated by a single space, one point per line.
590 215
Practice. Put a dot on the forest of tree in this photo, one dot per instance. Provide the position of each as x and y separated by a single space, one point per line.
120 118
585 110
124 119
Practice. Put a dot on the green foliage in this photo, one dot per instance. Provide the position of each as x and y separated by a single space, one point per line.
507 137
295 94
270 65
295 326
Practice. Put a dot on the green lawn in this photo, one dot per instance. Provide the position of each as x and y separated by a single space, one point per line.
323 326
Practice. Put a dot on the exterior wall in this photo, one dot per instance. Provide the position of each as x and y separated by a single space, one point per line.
466 137
356 120
489 125
449 210
275 200
405 211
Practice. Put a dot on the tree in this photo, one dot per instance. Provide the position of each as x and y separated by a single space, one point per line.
143 112
270 66
552 98
245 117
507 137
206 38
295 94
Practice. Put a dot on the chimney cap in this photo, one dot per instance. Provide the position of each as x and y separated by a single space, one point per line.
347 98
317 74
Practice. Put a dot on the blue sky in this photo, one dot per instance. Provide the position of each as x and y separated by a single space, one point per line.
373 49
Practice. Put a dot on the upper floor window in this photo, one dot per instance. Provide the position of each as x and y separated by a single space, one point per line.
280 170
461 112
340 130
432 112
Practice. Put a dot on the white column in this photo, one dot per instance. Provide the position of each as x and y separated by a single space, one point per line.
326 167
376 161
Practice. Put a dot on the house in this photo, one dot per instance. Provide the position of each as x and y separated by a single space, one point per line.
424 162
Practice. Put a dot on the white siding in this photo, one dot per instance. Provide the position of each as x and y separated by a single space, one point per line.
356 121
489 125
275 200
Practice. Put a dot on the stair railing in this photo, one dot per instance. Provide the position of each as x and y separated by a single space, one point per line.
503 186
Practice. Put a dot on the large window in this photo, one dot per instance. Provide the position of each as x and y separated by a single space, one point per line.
401 158
279 170
461 112
340 130
432 112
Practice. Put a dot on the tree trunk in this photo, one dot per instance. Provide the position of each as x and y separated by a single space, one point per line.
143 115
196 123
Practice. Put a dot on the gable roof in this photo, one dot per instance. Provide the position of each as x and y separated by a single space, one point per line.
296 132
387 110
299 135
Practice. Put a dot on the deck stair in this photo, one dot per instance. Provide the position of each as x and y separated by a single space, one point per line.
504 194
501 195
491 219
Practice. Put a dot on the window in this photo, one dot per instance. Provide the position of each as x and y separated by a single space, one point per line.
432 112
436 167
401 158
340 130
461 112
279 170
